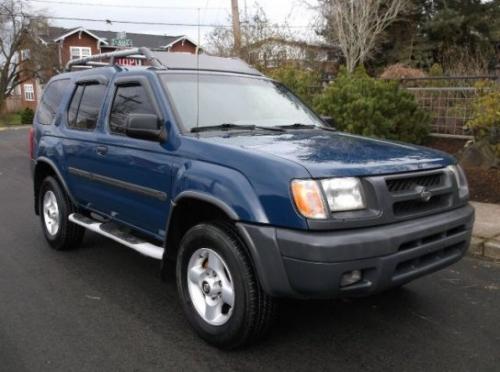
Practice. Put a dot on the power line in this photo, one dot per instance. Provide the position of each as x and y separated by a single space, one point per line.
111 21
149 23
123 6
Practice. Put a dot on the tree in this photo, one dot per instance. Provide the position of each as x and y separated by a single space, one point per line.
24 55
460 35
357 25
220 42
404 41
266 45
256 28
256 31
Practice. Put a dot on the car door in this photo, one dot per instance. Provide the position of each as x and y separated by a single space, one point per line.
78 126
134 175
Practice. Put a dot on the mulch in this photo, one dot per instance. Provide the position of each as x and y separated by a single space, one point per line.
484 184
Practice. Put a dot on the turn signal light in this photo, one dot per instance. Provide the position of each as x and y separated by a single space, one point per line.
308 199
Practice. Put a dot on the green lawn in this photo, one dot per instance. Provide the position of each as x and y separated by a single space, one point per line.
7 120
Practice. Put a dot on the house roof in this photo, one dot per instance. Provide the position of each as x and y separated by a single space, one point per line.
147 40
80 29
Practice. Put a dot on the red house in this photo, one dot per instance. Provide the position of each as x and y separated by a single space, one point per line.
81 42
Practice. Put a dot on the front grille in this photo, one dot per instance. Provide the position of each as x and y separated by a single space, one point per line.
417 194
432 238
409 183
429 259
417 206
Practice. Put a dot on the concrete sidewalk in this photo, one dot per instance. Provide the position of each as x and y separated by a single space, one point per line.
486 233
14 127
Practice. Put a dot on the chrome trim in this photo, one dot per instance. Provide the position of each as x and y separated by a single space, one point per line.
143 190
144 248
210 286
51 214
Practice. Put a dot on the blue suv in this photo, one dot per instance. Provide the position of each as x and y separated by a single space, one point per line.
204 162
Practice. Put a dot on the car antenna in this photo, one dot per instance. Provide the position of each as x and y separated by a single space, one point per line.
198 74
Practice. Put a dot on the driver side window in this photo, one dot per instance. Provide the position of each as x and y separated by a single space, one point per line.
128 99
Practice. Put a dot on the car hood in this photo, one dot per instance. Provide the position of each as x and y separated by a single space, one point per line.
325 153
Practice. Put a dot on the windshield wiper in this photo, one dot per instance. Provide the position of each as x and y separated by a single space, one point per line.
231 126
224 126
296 126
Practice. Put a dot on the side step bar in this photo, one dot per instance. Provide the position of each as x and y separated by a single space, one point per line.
111 231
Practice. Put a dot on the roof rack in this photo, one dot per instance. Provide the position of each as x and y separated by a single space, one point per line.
96 59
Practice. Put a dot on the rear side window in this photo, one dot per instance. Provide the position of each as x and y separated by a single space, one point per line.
50 101
85 105
129 99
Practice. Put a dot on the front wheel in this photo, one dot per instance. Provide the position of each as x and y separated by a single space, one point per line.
220 294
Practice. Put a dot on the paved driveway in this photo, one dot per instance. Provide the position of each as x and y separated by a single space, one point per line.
104 308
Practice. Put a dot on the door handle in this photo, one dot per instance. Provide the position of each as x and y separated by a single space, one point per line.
101 150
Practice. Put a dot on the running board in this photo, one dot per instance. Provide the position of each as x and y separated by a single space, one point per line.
111 231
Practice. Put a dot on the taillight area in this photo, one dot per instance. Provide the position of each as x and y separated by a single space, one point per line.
31 141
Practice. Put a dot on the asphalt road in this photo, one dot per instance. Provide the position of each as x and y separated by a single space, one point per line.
104 308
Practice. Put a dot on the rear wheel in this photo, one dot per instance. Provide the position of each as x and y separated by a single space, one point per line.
55 207
220 294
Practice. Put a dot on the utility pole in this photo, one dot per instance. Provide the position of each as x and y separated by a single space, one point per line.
236 26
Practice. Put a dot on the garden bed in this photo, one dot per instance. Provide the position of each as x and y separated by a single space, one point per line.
484 184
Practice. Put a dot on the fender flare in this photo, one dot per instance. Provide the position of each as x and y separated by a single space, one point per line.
192 195
59 177
207 198
200 196
255 258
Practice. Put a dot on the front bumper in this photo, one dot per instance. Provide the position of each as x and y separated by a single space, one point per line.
306 264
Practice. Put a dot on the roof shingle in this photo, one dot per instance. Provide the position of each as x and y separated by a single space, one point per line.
138 40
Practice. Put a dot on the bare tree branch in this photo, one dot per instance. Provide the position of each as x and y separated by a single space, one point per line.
357 25
19 32
260 39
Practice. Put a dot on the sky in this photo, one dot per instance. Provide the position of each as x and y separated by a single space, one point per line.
212 12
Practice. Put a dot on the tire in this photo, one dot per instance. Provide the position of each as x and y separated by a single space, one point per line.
59 232
253 311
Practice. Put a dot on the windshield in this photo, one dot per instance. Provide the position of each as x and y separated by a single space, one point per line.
235 100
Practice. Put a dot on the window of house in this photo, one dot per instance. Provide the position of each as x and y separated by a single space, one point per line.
129 99
51 99
29 92
85 106
80 52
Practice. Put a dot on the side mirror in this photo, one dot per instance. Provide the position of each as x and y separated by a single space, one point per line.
145 126
328 120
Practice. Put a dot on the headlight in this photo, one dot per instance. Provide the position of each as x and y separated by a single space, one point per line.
344 194
308 199
463 187
341 194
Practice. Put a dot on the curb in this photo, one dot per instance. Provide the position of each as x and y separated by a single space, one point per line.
485 242
16 127
492 249
485 248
